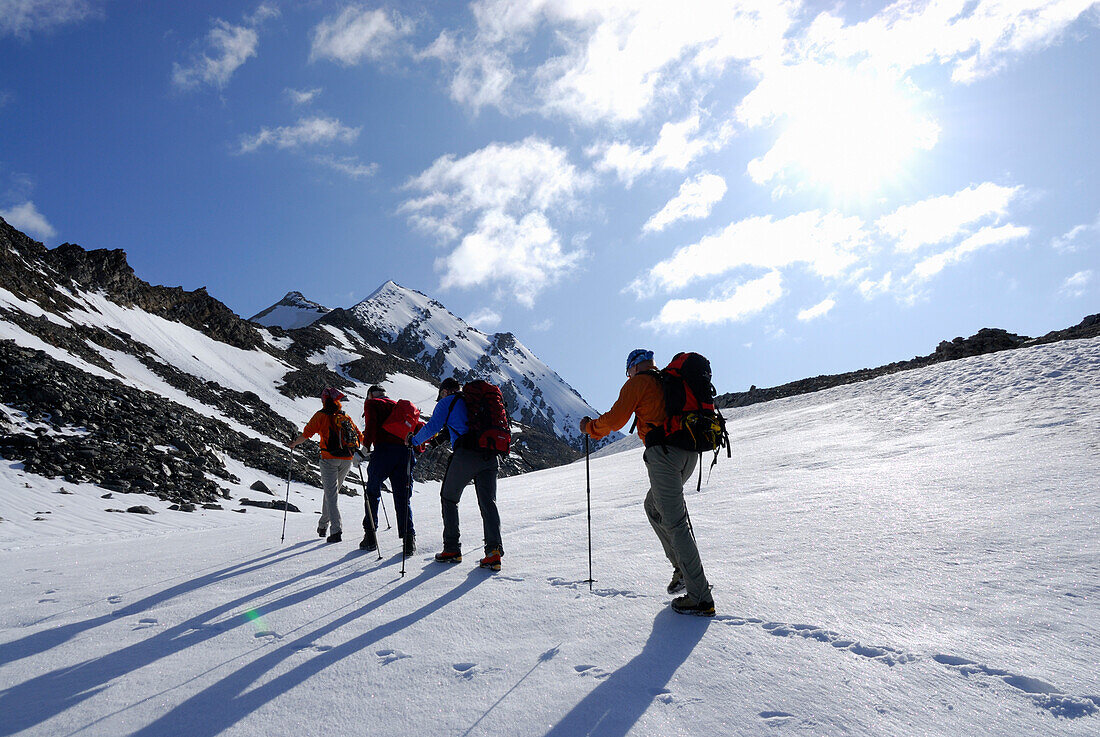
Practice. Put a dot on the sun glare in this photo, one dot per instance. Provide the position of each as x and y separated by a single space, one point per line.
850 132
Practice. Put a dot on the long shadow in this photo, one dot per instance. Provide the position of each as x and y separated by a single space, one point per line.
40 642
38 699
613 707
223 704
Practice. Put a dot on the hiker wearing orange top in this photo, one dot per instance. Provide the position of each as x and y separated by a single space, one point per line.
336 452
669 468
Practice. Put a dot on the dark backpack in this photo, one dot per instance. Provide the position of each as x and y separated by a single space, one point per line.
342 438
692 422
487 425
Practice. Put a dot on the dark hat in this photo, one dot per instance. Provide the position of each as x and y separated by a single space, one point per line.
450 384
376 389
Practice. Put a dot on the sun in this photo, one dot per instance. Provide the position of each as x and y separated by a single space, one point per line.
847 131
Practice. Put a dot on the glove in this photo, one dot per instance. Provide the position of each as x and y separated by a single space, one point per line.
584 424
358 457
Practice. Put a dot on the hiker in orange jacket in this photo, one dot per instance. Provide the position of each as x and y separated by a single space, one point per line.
669 468
336 455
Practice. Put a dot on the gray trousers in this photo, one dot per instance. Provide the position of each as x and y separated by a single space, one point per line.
669 469
481 467
333 471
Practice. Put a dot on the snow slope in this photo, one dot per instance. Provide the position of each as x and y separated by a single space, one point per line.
917 554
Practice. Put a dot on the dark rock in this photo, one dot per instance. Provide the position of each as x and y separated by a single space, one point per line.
140 509
276 504
211 505
261 487
183 507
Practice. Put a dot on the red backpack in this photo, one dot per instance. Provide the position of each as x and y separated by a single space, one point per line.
692 422
404 419
487 425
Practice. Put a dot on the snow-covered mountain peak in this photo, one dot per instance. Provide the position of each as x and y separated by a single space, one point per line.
421 328
292 311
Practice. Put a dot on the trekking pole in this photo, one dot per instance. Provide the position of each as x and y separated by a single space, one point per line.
382 501
588 492
370 515
286 505
408 503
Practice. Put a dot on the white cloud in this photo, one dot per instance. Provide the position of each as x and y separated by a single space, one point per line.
306 132
27 218
938 219
696 198
607 61
988 236
484 319
23 17
349 165
225 48
828 243
496 202
543 325
676 148
302 97
870 288
1077 238
821 309
359 33
1076 285
978 37
525 254
738 303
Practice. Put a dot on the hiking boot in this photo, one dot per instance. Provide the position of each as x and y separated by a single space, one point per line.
449 556
370 541
687 605
321 532
676 585
410 545
334 538
492 560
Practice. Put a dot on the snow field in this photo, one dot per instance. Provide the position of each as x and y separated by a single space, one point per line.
913 555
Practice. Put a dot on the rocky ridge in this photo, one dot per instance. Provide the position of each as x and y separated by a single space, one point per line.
70 410
986 340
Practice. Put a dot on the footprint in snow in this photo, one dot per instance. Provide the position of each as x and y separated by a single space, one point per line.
465 670
1045 695
775 718
268 634
47 601
145 623
576 585
388 656
114 599
591 670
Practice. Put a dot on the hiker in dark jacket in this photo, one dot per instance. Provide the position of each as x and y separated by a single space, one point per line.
390 459
669 468
467 464
335 459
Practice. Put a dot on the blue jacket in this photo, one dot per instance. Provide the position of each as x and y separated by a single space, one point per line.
450 410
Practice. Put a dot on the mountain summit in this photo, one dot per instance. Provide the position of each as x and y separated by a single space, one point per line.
411 324
291 312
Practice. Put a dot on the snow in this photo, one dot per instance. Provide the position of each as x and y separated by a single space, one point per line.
917 554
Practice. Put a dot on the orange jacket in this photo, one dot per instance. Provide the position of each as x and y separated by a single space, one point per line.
320 424
641 395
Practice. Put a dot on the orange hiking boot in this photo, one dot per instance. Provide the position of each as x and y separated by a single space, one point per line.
492 560
449 556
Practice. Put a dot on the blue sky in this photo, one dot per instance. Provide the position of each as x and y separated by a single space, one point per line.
790 188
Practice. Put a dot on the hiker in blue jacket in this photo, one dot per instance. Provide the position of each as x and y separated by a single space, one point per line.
468 463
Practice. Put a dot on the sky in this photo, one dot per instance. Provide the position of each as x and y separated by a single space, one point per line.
790 188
